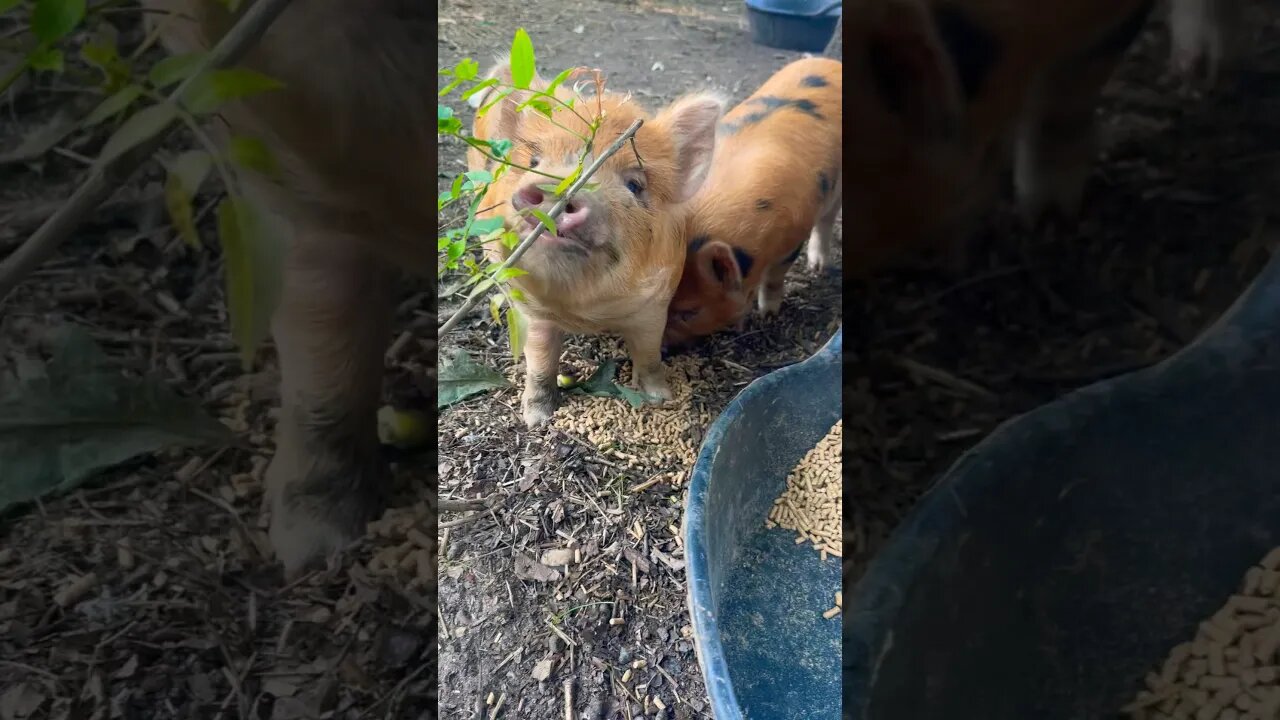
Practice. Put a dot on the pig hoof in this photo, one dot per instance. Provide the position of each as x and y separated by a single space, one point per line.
657 390
315 517
538 409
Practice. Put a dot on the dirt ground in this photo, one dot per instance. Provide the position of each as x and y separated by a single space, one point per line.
1179 218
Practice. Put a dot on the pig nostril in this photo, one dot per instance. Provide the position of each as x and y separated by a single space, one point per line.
571 208
529 197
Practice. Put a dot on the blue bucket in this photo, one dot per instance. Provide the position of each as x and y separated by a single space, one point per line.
756 598
803 25
1059 560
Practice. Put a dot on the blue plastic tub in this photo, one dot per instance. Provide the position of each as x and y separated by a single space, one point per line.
756 598
1060 559
803 25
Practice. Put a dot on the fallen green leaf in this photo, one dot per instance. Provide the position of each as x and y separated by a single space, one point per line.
174 69
461 377
113 105
62 423
185 175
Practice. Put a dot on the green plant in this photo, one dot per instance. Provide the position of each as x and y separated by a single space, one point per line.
458 246
137 110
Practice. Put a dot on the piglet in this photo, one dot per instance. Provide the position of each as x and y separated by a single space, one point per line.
613 263
775 180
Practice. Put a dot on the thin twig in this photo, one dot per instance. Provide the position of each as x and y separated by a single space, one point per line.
102 181
527 243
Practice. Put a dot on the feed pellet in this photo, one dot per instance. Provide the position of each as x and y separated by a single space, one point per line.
661 440
810 505
1230 670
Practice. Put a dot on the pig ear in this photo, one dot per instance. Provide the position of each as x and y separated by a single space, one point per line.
504 116
691 123
912 72
719 267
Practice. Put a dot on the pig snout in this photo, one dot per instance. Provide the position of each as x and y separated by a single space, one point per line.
574 216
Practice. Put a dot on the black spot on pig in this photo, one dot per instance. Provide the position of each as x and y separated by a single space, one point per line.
763 204
813 81
824 185
771 105
696 244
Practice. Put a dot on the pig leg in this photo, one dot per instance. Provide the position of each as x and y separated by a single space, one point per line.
326 480
1204 37
644 343
819 250
770 294
1056 141
542 362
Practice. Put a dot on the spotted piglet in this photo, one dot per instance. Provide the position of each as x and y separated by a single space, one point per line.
614 260
775 181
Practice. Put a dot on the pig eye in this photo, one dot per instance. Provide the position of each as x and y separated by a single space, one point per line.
635 187
533 161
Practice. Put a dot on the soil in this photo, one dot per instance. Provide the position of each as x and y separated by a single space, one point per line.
1178 220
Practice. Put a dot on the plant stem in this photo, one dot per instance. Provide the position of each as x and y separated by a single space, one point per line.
103 181
558 208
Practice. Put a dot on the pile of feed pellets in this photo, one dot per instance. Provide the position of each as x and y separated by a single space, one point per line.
402 548
811 503
662 440
1230 670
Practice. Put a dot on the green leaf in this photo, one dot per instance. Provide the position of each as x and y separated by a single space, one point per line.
568 180
251 153
52 20
510 272
7 5
545 218
551 89
603 383
497 98
516 294
467 69
484 226
517 330
140 127
479 177
495 307
461 377
453 85
501 148
113 105
479 87
510 240
47 59
210 90
522 60
64 421
174 69
252 260
186 174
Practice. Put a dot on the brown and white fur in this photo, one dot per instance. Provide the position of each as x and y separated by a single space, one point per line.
617 256
948 94
775 180
352 133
